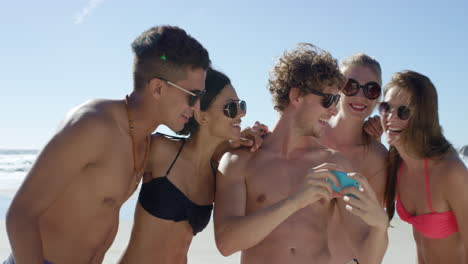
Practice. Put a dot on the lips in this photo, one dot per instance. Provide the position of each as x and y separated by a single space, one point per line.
393 131
236 124
323 121
358 107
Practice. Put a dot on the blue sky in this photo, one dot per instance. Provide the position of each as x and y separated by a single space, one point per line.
57 54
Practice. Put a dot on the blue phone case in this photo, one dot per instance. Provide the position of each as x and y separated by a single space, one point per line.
344 181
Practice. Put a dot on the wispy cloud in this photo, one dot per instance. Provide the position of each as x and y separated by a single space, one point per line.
87 10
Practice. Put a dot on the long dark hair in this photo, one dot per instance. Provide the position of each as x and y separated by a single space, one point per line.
423 136
214 83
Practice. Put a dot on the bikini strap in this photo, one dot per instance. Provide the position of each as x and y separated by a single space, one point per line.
428 189
176 157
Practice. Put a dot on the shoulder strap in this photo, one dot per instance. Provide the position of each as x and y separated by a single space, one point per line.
176 157
428 189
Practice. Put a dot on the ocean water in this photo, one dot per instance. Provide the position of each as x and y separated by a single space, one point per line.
15 164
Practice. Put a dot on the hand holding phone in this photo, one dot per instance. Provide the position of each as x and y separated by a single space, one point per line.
344 180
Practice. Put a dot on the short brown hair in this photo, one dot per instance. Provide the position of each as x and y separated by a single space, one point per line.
166 52
364 60
307 68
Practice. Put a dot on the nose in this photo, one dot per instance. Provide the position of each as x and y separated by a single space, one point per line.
361 93
392 115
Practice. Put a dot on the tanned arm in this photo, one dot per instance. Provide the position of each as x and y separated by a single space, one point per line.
76 144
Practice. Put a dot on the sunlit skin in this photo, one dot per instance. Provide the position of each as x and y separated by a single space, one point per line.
67 210
448 180
273 205
350 230
155 240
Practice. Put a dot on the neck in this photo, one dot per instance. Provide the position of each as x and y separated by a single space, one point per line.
202 147
287 140
352 126
142 116
410 160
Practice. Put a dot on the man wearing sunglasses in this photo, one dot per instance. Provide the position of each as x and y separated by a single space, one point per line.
359 219
274 204
67 209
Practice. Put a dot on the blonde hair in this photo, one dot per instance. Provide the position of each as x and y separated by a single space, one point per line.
364 60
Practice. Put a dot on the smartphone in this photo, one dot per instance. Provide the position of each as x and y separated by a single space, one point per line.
344 180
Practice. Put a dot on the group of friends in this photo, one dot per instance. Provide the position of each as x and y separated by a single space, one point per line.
273 191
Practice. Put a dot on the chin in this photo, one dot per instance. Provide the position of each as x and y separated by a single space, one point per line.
176 127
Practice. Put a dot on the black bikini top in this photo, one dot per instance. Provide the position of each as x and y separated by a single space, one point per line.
162 199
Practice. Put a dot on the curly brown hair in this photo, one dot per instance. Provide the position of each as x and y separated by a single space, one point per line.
307 68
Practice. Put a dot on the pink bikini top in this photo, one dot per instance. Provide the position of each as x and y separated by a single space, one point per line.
432 225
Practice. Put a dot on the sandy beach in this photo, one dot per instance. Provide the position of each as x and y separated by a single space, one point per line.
203 250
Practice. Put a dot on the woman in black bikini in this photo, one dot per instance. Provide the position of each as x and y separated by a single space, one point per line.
178 190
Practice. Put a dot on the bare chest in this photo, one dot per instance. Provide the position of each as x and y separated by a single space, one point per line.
418 193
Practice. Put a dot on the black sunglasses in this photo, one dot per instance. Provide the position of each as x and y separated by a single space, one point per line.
195 95
230 109
371 90
328 99
403 111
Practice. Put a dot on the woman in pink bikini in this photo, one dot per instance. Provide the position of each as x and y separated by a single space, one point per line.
426 175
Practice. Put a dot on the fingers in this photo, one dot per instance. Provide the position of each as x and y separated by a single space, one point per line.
375 122
373 127
363 182
355 202
250 134
325 169
245 142
355 211
324 175
322 184
329 166
261 129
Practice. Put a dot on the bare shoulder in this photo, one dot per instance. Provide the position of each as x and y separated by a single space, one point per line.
163 149
376 159
93 123
451 171
378 149
236 160
95 116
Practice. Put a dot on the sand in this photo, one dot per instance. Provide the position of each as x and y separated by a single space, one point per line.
203 250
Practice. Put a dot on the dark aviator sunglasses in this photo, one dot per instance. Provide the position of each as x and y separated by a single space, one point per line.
194 95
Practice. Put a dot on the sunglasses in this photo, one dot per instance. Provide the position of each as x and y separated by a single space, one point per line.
231 109
328 99
403 111
371 90
195 95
